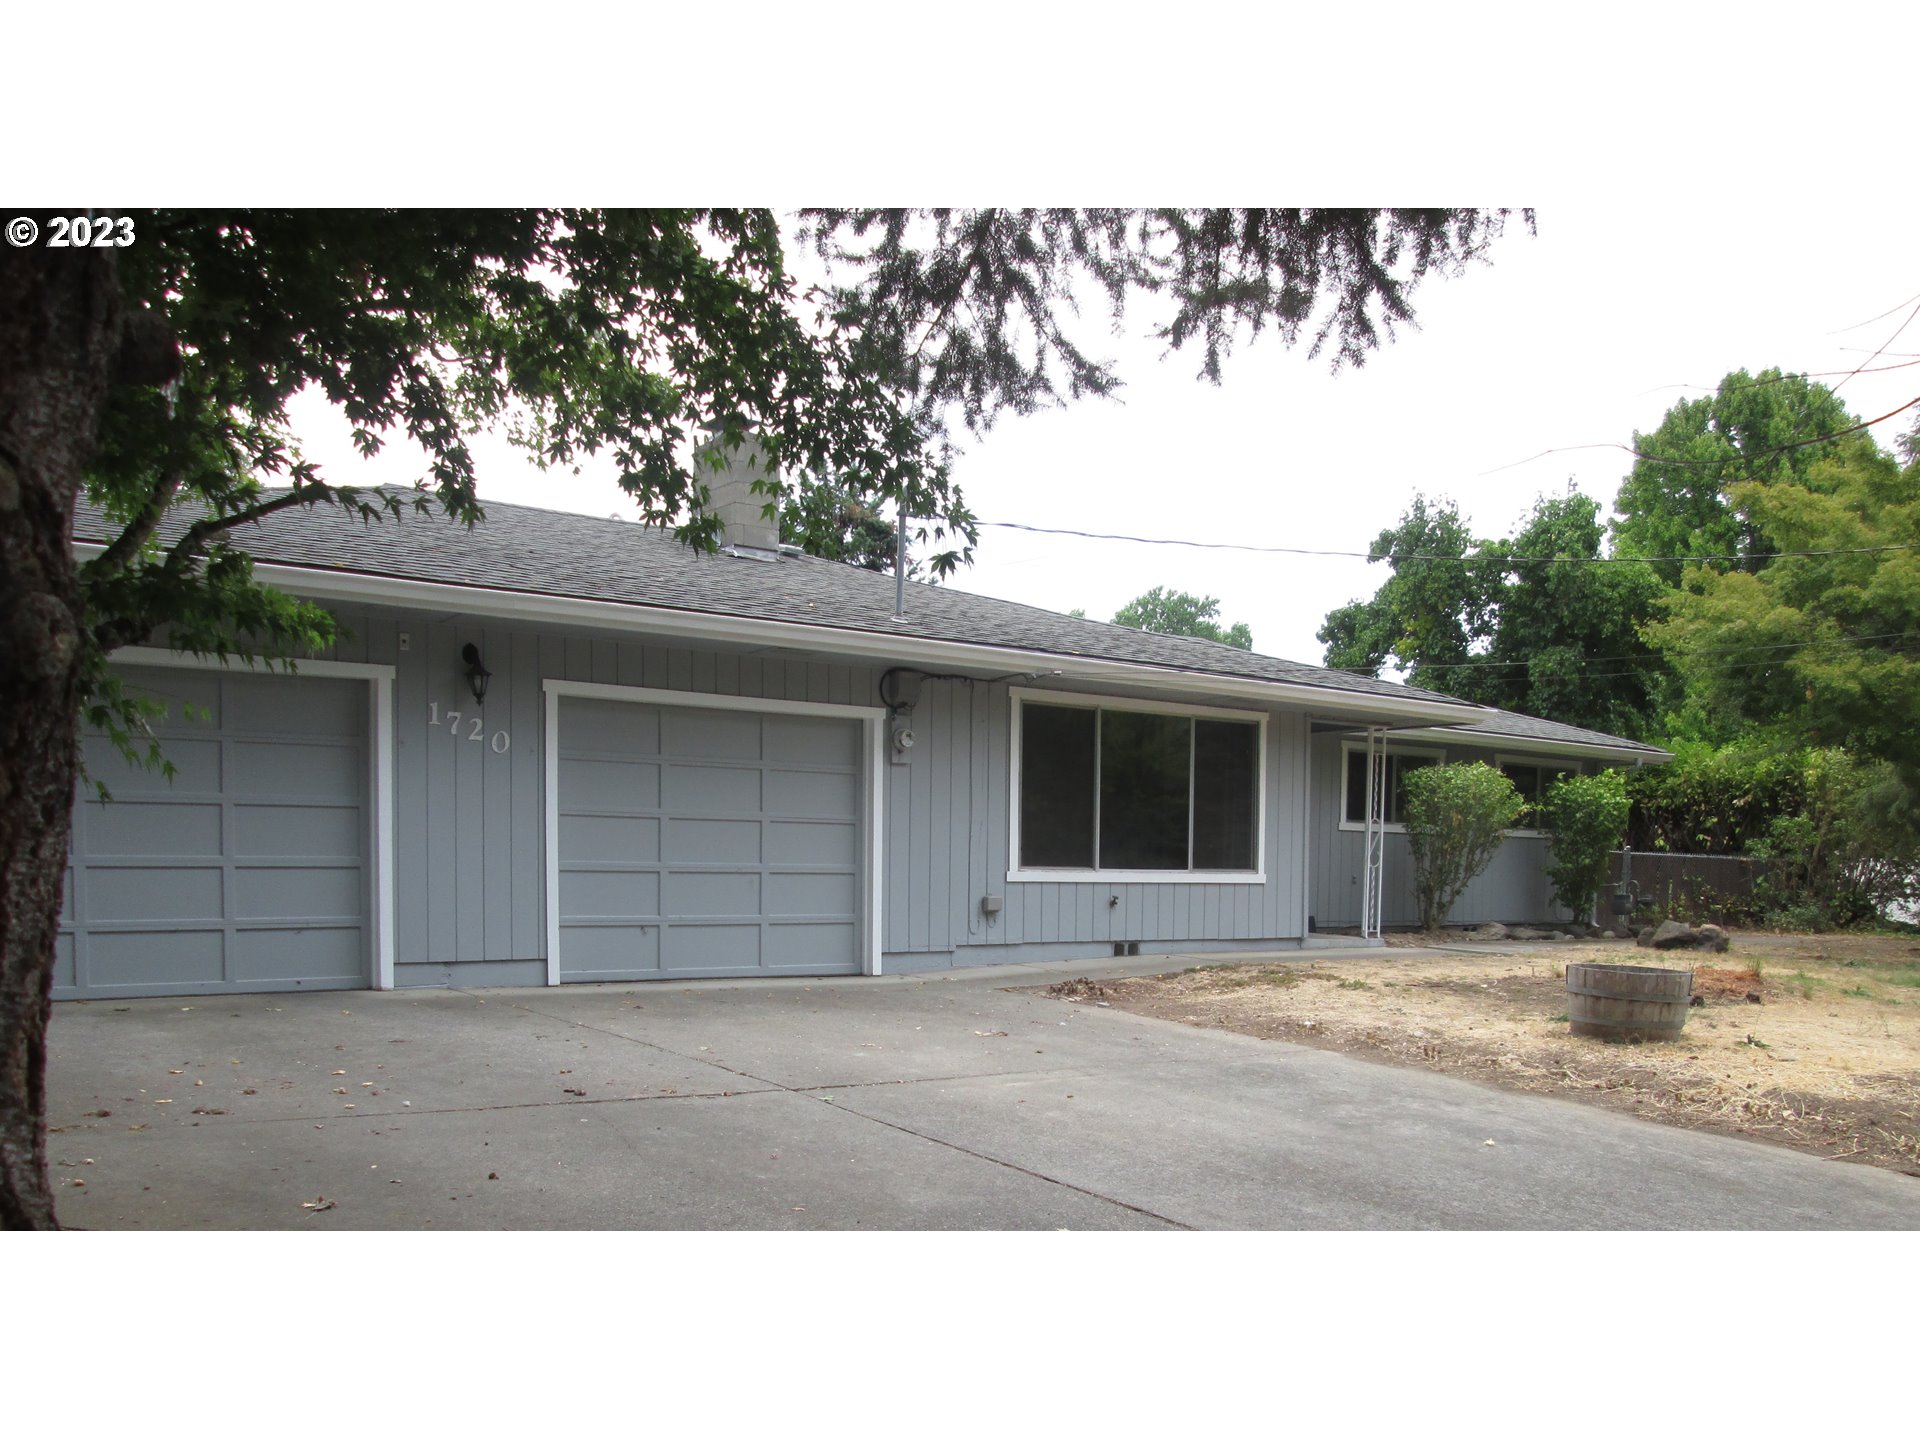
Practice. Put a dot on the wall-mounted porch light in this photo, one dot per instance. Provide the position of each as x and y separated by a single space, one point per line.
477 674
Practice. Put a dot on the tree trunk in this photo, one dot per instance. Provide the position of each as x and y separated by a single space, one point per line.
60 325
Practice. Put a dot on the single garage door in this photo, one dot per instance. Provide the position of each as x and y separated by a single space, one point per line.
707 842
246 871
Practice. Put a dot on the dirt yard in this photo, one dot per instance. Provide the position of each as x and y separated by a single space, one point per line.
1807 1041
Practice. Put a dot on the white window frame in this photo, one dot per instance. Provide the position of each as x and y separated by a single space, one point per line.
1017 873
1539 762
1349 747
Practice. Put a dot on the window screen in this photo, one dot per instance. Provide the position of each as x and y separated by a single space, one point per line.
1146 762
1057 785
1226 772
1356 787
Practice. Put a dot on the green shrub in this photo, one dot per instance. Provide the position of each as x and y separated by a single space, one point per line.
1851 851
1586 818
1456 816
1714 799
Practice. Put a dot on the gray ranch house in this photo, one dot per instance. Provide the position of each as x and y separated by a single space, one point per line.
556 748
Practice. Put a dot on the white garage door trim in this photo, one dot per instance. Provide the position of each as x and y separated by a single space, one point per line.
872 718
379 680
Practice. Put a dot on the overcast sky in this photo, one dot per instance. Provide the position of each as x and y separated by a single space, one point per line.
1574 337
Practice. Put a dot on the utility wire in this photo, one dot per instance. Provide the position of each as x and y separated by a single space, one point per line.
1779 379
1713 464
1742 665
1902 636
1881 316
1882 350
1422 555
1537 559
1410 673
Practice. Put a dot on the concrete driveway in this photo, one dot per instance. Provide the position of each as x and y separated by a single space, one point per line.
938 1103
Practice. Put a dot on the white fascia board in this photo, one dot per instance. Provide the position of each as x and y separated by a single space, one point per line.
1536 745
867 645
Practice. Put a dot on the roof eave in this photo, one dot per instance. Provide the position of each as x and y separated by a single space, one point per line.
1539 745
352 586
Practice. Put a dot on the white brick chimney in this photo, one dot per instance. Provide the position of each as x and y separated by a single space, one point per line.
734 501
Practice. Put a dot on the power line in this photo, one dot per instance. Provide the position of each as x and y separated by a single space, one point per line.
1903 636
1744 665
1642 666
1779 379
1480 559
1881 316
1714 464
1882 350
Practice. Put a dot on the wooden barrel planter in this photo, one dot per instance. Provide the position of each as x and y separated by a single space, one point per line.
1627 1002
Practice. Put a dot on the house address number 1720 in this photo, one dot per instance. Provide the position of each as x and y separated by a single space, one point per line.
475 728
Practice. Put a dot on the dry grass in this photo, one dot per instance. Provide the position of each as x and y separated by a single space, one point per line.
1807 1041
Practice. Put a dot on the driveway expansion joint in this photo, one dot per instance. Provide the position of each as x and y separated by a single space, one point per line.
1044 1178
816 1093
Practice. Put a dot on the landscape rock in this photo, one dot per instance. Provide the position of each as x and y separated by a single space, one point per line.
1527 932
1492 930
1643 937
1621 930
1719 938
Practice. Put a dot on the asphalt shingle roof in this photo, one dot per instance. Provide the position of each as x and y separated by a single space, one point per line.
546 552
1506 723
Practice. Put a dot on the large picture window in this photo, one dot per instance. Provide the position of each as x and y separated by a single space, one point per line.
1154 791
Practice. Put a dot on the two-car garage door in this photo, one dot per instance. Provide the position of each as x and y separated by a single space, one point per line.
248 868
698 841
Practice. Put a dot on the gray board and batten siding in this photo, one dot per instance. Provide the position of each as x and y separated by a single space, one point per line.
470 812
1513 888
470 841
948 844
469 845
